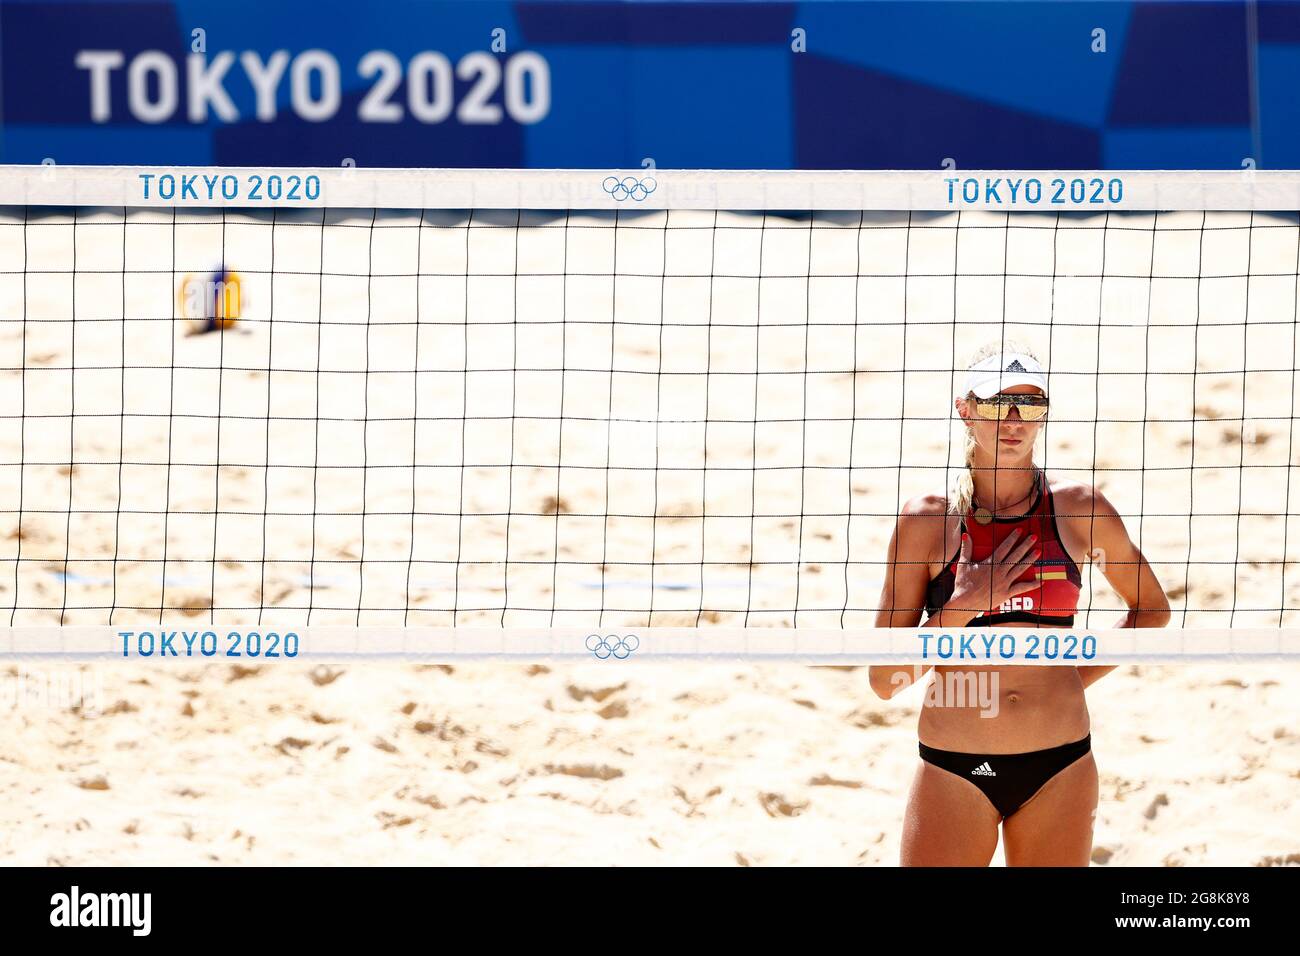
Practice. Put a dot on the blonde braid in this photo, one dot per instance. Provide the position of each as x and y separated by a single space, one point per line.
962 492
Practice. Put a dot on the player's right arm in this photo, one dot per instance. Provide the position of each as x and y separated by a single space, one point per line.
979 586
907 573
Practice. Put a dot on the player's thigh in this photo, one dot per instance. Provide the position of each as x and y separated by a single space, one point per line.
949 822
1055 827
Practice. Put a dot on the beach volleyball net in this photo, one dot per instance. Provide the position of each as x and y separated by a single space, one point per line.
498 424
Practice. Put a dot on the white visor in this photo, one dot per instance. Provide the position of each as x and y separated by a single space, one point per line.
997 372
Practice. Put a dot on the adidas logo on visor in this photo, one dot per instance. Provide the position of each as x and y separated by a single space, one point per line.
1015 366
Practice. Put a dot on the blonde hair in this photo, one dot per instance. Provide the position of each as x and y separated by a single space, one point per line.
962 492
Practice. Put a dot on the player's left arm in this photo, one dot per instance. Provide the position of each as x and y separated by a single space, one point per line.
1124 566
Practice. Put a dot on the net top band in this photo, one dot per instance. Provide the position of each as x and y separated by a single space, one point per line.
597 189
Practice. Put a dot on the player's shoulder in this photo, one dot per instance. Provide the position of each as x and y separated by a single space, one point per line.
921 525
1074 498
929 504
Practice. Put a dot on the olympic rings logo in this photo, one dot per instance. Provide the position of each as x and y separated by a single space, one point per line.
613 646
629 187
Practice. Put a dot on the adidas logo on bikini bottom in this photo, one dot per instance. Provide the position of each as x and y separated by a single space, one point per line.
983 770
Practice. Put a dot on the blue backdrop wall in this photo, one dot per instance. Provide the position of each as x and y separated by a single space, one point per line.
832 84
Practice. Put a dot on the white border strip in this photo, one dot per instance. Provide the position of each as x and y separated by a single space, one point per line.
205 643
597 189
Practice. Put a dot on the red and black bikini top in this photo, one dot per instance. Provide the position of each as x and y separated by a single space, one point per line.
1055 599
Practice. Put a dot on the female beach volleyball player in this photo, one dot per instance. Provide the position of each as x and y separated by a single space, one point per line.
1002 549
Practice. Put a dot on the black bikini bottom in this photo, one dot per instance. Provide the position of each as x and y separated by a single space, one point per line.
1008 780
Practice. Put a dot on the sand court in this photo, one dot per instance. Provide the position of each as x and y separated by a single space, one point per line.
532 420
